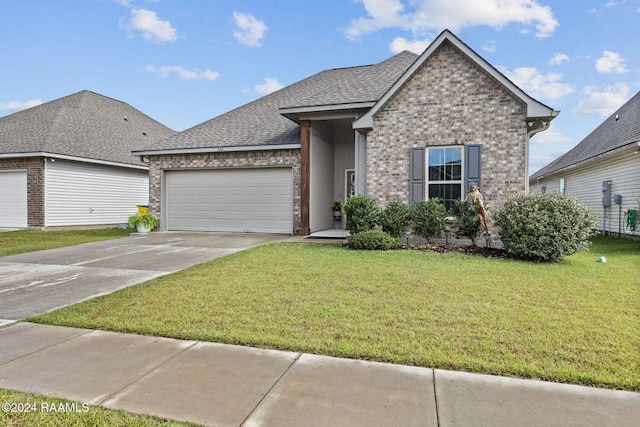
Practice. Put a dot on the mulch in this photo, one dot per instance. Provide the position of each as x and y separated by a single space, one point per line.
464 249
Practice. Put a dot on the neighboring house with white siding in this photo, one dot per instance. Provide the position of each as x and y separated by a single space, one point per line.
68 162
607 159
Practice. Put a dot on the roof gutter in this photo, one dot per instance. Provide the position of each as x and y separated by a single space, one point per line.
222 149
72 158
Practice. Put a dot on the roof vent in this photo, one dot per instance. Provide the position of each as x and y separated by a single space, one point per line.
617 117
125 119
144 133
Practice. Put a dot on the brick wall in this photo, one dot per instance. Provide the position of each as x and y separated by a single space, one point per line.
157 164
35 186
449 101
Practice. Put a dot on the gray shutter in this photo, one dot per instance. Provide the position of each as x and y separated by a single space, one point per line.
473 169
416 175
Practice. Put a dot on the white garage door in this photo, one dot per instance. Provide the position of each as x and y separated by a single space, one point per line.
13 199
232 200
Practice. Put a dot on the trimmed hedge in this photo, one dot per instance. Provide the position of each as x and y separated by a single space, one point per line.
428 217
362 214
373 240
395 219
544 226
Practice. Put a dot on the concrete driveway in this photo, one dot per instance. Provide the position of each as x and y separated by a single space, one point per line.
39 282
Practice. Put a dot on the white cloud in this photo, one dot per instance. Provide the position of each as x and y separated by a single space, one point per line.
558 58
489 46
602 103
550 136
270 85
17 105
123 2
249 31
615 3
433 15
152 28
611 62
539 85
183 74
400 44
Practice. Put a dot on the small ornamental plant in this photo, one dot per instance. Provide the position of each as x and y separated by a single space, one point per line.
362 214
395 218
146 221
467 222
544 226
428 218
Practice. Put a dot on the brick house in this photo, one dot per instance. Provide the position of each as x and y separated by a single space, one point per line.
407 128
68 162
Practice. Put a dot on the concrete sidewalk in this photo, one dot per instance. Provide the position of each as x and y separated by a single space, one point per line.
224 385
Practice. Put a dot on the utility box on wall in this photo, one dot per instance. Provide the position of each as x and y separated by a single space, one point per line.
606 193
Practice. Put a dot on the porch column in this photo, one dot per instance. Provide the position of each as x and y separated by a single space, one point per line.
361 163
305 175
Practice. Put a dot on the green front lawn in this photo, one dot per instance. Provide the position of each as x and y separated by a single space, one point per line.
576 321
22 241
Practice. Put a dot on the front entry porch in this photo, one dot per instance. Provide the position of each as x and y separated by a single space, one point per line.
331 172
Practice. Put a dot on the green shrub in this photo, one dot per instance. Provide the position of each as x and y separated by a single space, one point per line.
428 217
362 214
544 226
395 218
467 222
373 240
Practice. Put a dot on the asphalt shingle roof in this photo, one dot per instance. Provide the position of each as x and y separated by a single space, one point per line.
260 122
610 135
84 124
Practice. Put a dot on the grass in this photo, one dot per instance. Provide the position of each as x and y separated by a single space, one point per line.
575 321
22 241
30 410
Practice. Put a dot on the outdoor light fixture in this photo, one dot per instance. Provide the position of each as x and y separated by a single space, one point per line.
407 234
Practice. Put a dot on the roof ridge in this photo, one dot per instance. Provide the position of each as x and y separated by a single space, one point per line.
51 131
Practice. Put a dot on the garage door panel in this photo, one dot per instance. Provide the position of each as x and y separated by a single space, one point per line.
13 199
242 200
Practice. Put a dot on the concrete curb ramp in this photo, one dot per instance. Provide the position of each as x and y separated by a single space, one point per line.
225 385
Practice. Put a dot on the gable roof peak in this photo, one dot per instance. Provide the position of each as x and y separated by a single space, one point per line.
535 109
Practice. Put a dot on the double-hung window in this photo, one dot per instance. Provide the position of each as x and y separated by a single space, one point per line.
444 174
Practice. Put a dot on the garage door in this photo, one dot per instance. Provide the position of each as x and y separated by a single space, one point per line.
13 199
233 200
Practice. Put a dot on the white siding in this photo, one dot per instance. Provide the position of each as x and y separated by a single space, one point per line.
585 185
13 199
90 194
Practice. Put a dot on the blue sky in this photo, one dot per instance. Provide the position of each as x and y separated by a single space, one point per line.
185 61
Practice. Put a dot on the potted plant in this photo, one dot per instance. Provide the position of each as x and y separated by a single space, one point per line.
337 209
143 223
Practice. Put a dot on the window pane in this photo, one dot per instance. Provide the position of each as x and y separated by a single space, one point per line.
447 192
445 164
